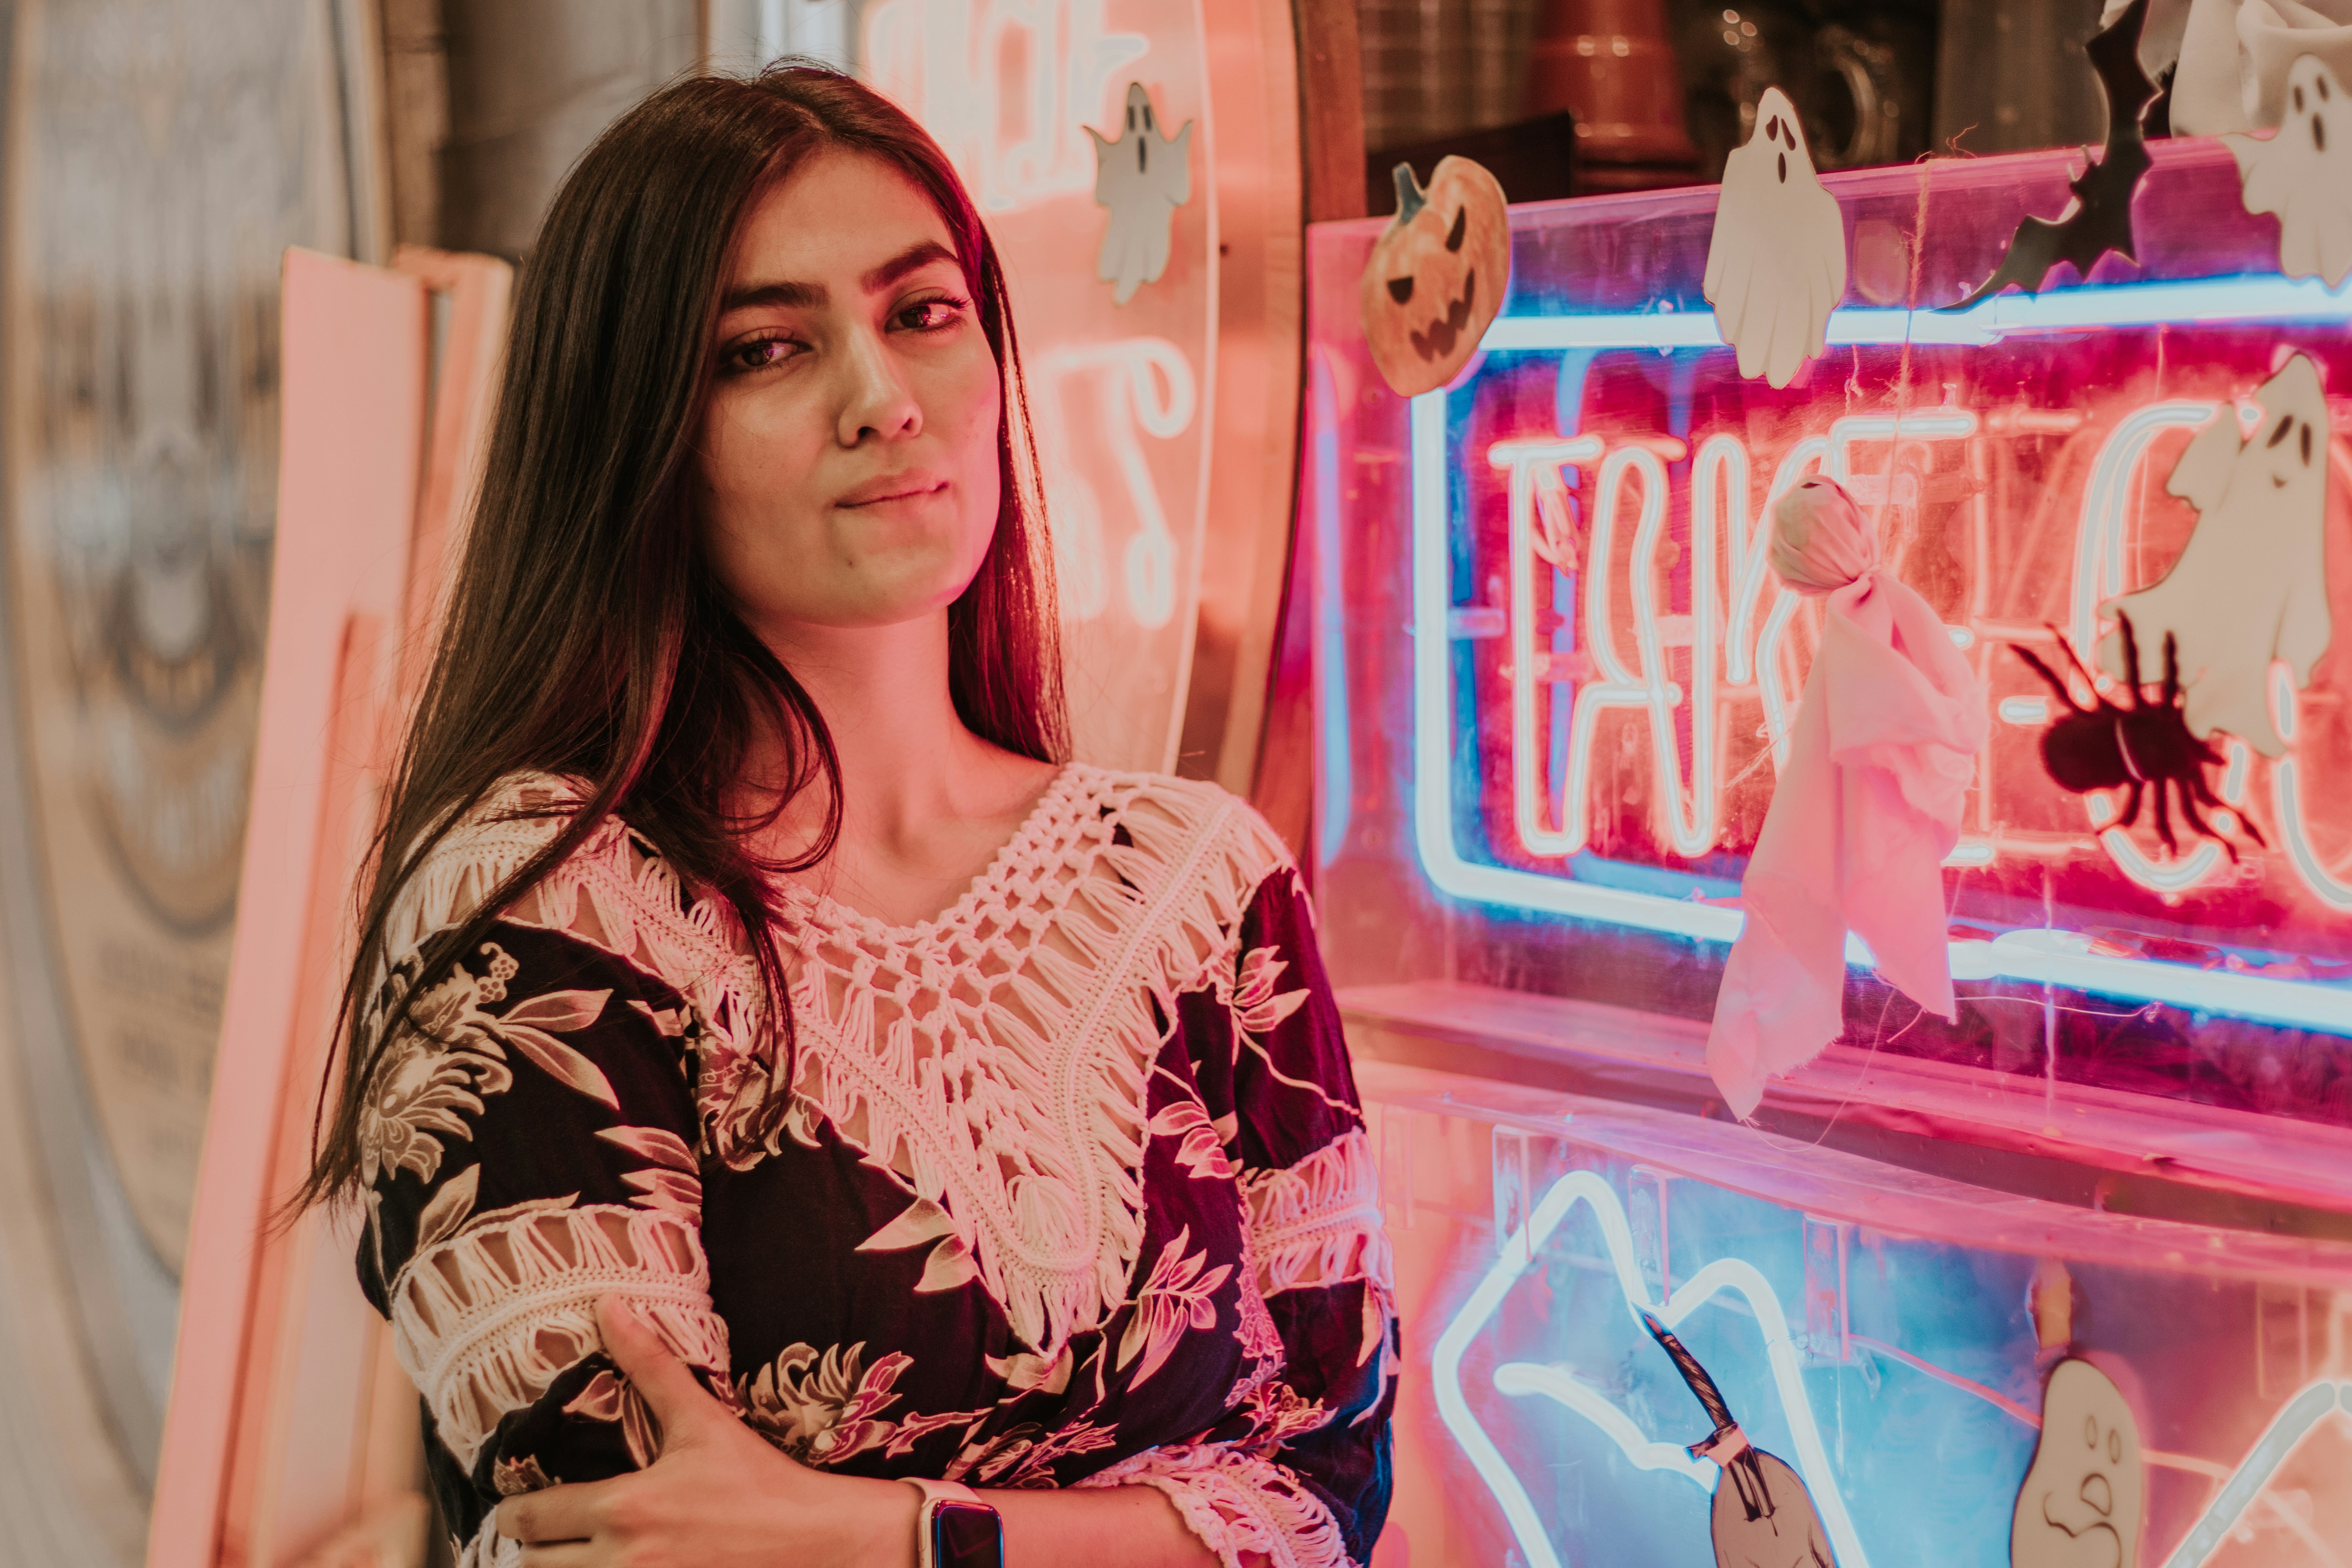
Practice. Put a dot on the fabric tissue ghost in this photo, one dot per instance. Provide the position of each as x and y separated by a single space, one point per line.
1141 179
2302 173
1775 266
2251 586
1865 812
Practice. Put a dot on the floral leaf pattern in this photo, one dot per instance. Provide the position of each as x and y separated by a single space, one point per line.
823 1409
1178 1294
1199 1150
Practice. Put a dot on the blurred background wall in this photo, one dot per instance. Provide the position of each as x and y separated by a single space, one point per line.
161 153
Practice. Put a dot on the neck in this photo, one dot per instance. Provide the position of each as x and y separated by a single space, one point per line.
883 693
926 804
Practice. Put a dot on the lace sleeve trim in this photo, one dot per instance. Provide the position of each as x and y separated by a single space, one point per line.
1237 1503
1319 1222
485 1322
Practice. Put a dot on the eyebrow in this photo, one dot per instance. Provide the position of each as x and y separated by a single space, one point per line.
791 295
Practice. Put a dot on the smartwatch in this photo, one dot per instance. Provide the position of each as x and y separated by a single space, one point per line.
953 1528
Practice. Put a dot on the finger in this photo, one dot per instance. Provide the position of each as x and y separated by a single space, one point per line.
562 1554
664 1382
551 1514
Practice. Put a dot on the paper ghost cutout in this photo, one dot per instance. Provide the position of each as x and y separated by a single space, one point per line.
2099 218
2304 175
1776 265
1763 1517
2080 1505
1436 275
2251 586
1141 179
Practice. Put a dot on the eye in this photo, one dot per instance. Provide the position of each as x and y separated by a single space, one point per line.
2322 85
2286 423
1130 118
1401 290
756 354
2299 100
1789 134
1146 117
2090 1431
1772 128
2115 1445
1454 235
930 315
2306 445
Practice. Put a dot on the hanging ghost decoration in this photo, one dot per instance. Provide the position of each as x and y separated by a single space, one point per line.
2251 586
2302 173
2081 1503
1867 805
1763 1516
2098 219
1436 276
1140 179
1776 265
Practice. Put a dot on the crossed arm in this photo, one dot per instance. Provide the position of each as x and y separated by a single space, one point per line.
720 1497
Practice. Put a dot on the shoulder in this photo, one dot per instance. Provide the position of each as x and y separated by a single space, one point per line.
612 889
1194 828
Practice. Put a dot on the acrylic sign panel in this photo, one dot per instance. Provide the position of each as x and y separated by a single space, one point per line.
1874 1329
1601 663
1121 371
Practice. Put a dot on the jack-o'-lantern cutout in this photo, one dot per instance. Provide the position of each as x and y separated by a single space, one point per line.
1437 275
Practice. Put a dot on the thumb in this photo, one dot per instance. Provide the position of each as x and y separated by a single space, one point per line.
666 1384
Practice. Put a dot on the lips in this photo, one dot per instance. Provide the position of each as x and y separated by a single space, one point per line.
893 486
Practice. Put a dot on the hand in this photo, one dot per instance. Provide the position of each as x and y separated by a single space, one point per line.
718 1497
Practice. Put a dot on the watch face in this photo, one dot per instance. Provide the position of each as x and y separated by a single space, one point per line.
966 1535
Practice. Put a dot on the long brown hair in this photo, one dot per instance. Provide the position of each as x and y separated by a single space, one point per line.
586 634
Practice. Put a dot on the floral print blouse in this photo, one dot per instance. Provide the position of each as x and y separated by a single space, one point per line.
1069 1186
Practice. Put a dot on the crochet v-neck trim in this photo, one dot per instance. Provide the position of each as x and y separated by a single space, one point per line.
994 1060
824 908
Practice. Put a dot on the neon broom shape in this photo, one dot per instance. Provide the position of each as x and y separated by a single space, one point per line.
1765 1517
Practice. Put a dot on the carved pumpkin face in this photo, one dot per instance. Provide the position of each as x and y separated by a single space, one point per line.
1437 275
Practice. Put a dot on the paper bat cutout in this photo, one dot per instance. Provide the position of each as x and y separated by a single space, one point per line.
1763 1516
2099 218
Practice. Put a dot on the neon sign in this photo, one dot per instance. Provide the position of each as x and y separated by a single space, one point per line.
2233 1491
1634 585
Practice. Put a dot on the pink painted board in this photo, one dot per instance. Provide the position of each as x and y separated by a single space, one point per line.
354 353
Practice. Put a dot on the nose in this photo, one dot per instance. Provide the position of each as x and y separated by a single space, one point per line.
874 398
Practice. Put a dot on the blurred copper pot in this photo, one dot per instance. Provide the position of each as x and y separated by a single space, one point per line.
1611 64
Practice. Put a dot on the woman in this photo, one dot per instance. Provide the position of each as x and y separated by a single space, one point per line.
775 1075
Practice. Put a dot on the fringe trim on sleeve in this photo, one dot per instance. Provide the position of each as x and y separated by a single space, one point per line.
485 1322
1319 1222
1237 1503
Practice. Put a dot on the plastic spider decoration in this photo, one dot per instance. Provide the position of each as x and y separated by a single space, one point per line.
2144 746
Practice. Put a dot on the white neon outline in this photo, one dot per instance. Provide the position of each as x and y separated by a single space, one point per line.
2045 957
2287 1430
1519 1379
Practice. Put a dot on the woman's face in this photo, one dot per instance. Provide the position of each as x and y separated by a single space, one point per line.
848 465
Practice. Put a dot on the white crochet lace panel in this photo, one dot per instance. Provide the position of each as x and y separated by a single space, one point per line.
1238 1504
993 1057
485 1322
1319 1222
488 1549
